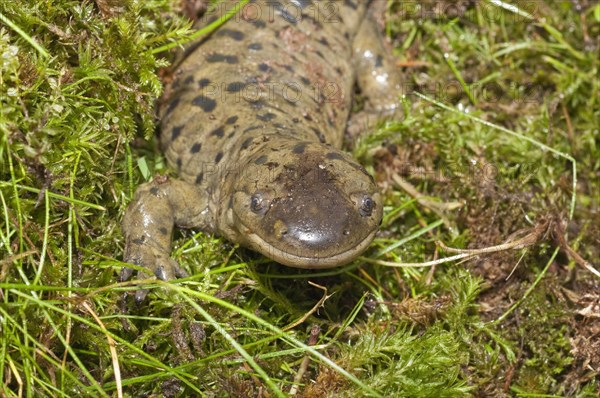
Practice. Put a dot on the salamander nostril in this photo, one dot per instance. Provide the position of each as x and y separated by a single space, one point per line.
280 229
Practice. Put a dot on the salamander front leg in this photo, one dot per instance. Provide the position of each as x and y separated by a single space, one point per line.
148 224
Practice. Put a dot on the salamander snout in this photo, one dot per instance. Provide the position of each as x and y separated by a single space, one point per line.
321 211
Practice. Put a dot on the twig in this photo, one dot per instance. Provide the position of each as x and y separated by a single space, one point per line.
417 265
560 235
525 241
512 271
437 207
528 240
312 310
312 340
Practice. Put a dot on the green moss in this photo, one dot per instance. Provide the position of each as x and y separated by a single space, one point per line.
546 339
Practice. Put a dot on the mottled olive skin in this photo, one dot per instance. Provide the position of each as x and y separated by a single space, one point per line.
253 122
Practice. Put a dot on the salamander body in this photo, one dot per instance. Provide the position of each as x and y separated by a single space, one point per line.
253 122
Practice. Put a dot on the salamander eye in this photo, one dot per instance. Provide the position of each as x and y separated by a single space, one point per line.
256 203
366 206
259 204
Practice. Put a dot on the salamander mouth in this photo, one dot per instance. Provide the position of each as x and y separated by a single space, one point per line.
302 259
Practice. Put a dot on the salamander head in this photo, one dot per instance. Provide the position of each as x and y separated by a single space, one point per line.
306 205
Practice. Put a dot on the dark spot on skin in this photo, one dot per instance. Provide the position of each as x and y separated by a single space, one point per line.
172 105
347 35
199 178
319 135
289 68
196 147
236 87
320 54
259 24
379 61
163 230
266 117
258 104
176 132
318 23
299 148
154 191
218 132
272 165
305 81
261 160
263 67
324 41
362 170
338 70
251 128
247 143
296 120
334 155
203 82
231 120
218 157
231 134
207 104
351 4
282 127
234 34
140 240
189 80
303 3
230 59
179 163
255 46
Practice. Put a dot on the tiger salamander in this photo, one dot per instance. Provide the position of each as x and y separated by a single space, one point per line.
253 122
